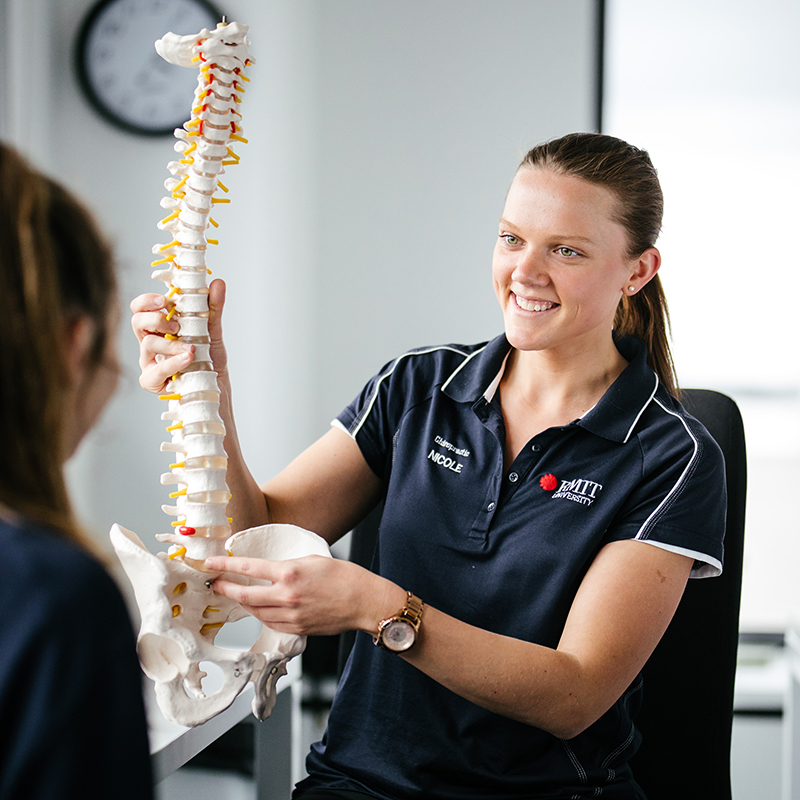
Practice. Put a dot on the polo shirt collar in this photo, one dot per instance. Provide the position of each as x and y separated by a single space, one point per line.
614 417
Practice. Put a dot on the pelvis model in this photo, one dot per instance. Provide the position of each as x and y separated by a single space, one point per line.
181 614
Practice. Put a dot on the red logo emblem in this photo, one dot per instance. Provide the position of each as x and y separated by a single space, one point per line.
548 482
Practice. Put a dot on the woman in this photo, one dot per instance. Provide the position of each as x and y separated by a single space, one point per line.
546 499
73 721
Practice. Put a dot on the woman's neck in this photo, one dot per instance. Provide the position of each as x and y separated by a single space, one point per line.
555 387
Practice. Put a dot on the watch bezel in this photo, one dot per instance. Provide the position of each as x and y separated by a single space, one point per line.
390 644
410 616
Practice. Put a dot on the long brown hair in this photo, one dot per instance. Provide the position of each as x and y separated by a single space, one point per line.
628 172
54 268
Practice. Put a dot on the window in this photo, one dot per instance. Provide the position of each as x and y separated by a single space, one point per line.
710 89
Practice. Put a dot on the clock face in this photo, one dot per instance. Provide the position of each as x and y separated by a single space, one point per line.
120 71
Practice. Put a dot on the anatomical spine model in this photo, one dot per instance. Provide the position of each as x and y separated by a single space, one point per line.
181 615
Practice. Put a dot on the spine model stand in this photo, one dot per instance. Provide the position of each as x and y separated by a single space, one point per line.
181 614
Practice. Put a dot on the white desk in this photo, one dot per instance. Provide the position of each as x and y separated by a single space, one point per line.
278 756
791 719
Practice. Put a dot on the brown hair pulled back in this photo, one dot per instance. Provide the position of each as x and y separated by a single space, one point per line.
54 268
628 172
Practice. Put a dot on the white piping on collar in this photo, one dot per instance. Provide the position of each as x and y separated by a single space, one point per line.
641 410
491 389
462 365
359 421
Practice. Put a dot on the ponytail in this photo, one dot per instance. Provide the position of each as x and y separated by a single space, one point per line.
645 315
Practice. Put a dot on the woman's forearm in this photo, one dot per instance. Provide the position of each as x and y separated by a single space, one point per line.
248 505
619 614
530 683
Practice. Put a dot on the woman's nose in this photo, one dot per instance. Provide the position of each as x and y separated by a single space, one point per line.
530 269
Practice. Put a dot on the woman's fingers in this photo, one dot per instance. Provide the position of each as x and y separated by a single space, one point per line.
216 302
149 301
156 372
256 595
309 595
252 567
154 345
147 323
159 357
149 317
267 602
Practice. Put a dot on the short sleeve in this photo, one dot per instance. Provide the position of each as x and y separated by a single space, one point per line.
367 419
680 504
374 417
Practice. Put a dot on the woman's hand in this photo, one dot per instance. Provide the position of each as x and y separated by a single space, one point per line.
160 358
310 595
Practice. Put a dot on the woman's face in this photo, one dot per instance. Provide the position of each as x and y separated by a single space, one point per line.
560 263
92 384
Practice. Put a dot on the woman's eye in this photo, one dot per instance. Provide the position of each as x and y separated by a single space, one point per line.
568 252
510 239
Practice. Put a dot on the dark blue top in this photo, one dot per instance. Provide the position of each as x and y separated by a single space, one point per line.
506 550
72 720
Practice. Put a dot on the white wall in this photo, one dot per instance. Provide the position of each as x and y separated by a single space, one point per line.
425 110
382 139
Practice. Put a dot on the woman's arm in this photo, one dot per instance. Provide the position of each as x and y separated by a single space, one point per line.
327 489
620 612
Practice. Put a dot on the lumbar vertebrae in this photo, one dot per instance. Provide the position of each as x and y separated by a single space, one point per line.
181 614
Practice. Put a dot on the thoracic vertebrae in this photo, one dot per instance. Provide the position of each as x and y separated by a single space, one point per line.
205 143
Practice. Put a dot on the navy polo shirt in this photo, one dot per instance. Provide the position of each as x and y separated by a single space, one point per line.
72 717
506 550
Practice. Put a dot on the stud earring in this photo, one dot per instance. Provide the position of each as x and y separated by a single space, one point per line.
631 289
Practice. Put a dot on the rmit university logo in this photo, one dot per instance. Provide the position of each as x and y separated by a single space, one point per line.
579 490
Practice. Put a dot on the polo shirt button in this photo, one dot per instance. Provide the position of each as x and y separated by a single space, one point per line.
513 477
536 448
491 507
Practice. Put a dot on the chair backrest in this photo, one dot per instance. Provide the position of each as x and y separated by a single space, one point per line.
687 709
362 548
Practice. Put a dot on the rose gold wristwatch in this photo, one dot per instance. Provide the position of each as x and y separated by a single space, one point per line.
398 633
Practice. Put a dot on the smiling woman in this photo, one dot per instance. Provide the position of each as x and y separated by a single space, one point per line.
546 498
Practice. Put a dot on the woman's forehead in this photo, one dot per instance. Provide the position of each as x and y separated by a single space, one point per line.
543 197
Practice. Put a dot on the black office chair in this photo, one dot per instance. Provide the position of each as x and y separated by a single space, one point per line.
687 709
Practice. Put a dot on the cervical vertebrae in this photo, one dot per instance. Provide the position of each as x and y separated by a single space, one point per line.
181 613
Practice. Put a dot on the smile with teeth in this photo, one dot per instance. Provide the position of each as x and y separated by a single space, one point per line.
533 305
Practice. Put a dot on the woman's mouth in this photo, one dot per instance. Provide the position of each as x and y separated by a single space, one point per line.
533 305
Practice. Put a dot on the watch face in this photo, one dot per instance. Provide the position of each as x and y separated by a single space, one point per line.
120 71
398 636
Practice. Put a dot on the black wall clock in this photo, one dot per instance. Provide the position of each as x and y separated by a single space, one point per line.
120 72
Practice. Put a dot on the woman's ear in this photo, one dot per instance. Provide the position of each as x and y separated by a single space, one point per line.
644 269
79 335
